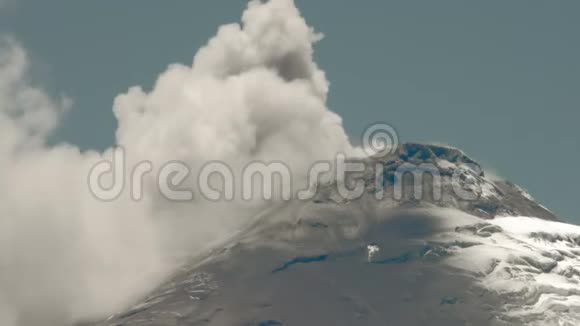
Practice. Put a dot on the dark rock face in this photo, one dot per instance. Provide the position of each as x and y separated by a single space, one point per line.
419 175
413 152
337 262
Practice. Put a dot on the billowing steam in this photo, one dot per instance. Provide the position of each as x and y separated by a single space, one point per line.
253 93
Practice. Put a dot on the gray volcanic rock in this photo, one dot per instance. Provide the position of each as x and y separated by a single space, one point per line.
413 261
311 271
443 176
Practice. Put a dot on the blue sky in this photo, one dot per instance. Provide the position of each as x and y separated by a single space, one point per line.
499 79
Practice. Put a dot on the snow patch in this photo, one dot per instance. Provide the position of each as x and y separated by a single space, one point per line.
533 262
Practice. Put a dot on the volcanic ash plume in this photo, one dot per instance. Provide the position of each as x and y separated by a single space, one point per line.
253 93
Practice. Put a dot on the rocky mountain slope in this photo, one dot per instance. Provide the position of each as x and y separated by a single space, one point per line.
487 255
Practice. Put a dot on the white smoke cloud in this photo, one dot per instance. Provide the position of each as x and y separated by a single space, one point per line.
27 114
253 93
63 254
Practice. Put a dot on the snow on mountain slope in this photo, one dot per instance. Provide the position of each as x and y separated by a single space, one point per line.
365 261
347 264
533 262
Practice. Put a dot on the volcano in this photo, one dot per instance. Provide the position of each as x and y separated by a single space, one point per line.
495 258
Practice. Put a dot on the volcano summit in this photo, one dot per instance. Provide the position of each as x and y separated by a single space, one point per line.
500 259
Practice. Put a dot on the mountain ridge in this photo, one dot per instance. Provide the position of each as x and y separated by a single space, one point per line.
334 261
